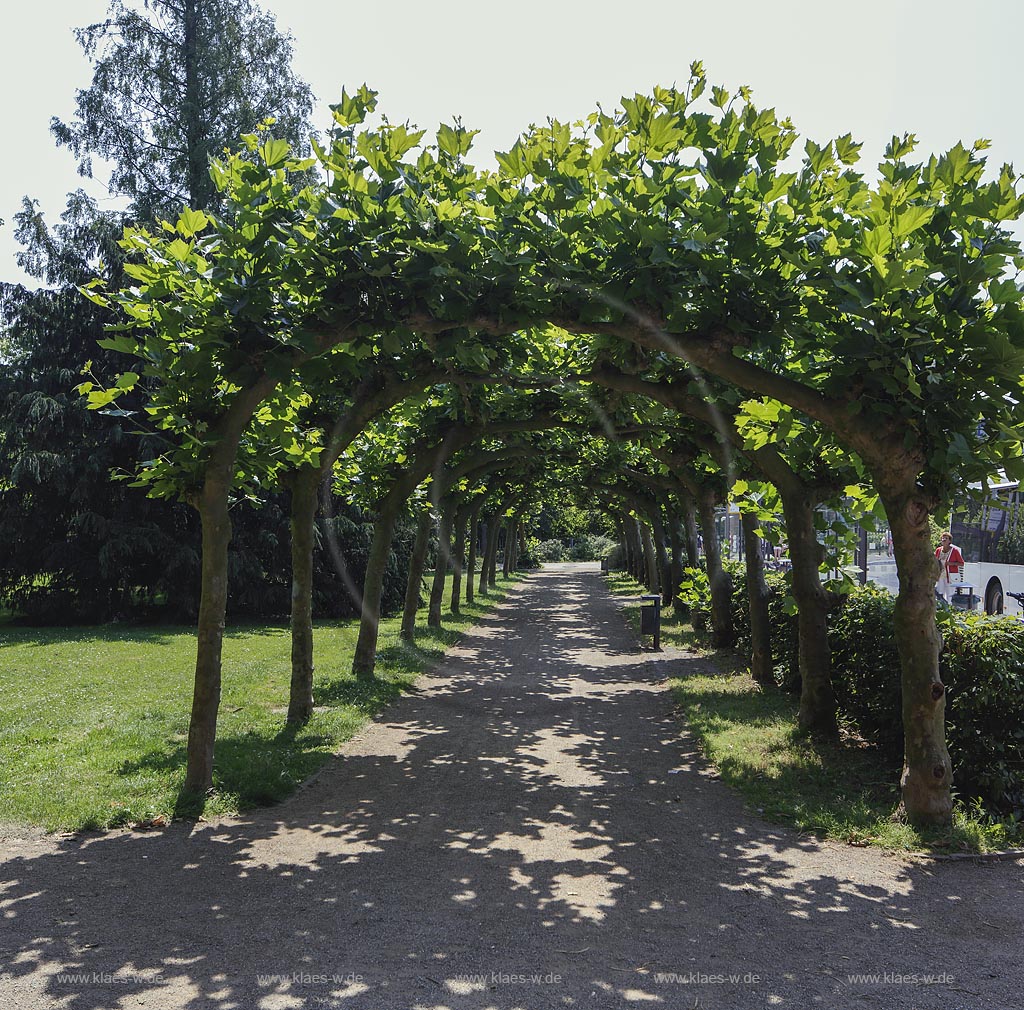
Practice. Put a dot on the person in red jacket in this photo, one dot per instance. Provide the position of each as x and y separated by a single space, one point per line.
951 566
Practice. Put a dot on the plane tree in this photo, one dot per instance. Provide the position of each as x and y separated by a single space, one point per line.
805 466
883 311
887 311
228 308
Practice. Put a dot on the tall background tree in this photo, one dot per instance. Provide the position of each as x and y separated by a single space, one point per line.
174 83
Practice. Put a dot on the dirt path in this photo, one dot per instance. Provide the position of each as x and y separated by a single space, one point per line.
532 811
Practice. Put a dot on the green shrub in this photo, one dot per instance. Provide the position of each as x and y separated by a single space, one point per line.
785 639
982 666
695 595
549 550
983 669
866 667
589 547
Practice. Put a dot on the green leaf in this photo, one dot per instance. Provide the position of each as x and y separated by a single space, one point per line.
1003 292
819 158
514 161
900 147
178 250
275 152
911 219
191 222
455 142
953 165
779 185
353 109
847 151
122 344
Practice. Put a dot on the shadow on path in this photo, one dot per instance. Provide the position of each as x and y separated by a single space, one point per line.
530 829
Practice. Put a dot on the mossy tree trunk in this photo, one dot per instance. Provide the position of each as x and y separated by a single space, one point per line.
493 547
487 536
459 558
676 562
927 777
365 657
506 554
305 487
690 542
636 568
212 504
761 664
416 564
444 553
202 729
650 559
664 569
723 634
817 697
474 533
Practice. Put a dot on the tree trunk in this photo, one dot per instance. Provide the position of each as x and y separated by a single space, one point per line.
627 541
492 568
676 563
444 552
690 539
761 665
202 728
365 657
722 632
927 774
412 587
485 556
474 532
636 568
458 559
305 484
620 527
212 504
817 698
516 538
650 559
506 555
664 572
192 112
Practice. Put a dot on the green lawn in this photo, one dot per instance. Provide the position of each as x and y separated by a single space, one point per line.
93 721
750 734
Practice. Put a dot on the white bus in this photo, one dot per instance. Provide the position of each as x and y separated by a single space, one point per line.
991 537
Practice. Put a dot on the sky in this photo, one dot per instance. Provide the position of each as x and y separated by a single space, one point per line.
943 70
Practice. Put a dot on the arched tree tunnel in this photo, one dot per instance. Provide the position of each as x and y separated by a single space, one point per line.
648 307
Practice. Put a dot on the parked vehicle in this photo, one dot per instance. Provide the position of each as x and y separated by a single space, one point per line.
991 536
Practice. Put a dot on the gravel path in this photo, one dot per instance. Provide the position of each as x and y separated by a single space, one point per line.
531 829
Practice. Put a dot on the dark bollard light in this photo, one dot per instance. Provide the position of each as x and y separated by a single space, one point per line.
650 619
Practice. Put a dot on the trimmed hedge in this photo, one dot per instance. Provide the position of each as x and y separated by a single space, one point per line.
548 550
983 669
785 639
982 666
587 547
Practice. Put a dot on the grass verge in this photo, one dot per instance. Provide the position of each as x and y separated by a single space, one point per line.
94 721
843 792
